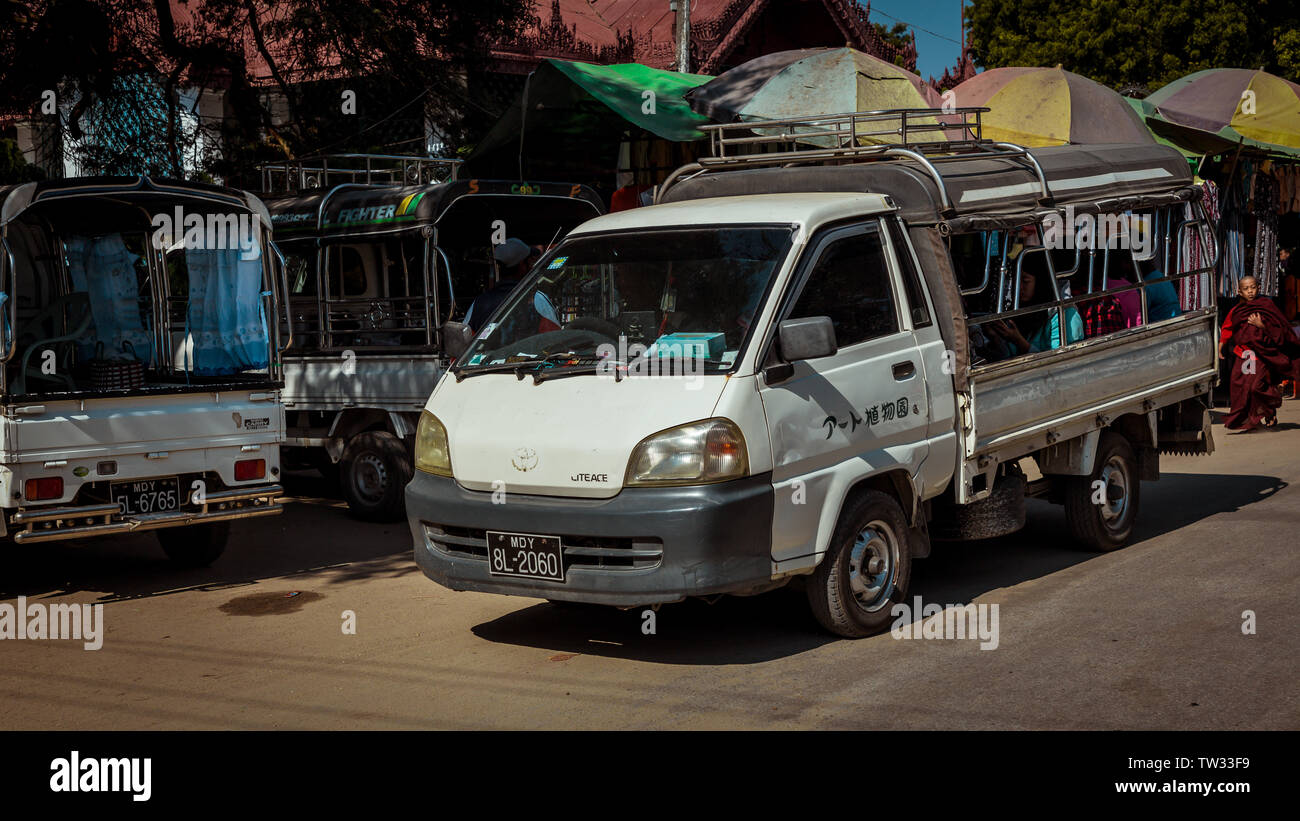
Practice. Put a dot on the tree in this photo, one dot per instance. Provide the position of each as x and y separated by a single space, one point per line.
1137 42
897 36
14 167
125 67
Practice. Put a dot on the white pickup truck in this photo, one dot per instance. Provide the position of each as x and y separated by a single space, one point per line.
141 374
786 368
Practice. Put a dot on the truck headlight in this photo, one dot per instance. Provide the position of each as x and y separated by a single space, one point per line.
694 454
432 455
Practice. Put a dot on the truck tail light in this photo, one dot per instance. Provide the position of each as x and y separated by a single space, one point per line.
50 487
246 469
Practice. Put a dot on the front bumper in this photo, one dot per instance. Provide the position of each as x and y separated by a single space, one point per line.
35 524
643 546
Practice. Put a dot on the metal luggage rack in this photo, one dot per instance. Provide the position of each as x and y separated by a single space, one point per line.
325 171
918 134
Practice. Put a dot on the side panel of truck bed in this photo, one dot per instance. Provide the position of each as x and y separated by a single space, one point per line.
398 382
1025 404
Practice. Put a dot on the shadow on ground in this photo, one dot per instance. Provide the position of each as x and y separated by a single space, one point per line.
778 624
315 532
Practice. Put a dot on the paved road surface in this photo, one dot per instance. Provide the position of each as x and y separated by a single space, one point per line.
1146 637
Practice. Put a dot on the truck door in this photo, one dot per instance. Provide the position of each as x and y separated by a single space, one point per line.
860 411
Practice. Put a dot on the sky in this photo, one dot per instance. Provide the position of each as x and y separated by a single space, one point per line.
938 29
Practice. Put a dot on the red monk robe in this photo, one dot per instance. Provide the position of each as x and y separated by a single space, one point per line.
1262 358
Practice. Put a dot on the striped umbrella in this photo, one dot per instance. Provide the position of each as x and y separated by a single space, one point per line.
1050 106
1217 108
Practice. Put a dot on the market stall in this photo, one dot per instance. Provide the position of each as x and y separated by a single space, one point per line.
1246 126
618 128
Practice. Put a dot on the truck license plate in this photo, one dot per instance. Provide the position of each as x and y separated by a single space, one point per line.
147 495
525 556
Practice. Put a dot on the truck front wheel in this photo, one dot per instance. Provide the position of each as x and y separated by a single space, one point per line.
195 545
1101 508
867 568
374 471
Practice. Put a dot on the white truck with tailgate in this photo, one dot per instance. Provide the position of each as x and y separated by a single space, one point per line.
809 363
141 374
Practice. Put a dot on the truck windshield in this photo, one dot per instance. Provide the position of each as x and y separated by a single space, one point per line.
674 292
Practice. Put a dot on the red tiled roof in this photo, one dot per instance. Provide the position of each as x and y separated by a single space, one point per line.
643 30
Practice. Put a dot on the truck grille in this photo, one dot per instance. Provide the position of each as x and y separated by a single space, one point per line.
587 552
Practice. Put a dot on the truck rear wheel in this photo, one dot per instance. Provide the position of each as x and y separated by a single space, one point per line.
374 472
1101 508
867 567
195 545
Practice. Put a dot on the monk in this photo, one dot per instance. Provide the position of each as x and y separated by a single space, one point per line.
1265 352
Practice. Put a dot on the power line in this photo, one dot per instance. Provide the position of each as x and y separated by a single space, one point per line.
375 124
918 28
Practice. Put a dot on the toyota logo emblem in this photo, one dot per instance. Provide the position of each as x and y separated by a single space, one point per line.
525 459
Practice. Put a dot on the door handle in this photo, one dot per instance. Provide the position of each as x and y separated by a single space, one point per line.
904 370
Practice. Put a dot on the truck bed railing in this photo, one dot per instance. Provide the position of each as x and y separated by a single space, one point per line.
927 136
326 171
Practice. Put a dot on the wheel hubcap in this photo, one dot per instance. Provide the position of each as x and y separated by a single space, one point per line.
369 477
873 564
1114 509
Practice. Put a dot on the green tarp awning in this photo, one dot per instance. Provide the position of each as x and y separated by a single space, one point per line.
623 89
570 119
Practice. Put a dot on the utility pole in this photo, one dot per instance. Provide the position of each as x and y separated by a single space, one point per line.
683 10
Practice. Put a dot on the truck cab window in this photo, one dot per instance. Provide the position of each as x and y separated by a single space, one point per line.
850 284
347 272
919 311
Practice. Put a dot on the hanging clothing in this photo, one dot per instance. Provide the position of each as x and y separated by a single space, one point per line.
1264 264
1194 292
1232 260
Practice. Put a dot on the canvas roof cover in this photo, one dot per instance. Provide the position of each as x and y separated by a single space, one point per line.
1005 187
387 208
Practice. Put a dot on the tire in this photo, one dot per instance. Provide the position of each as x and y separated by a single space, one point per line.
374 472
1109 525
195 545
846 603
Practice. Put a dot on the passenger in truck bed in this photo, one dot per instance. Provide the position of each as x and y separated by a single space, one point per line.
1039 331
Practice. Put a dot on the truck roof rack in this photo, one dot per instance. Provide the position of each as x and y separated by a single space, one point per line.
327 170
927 136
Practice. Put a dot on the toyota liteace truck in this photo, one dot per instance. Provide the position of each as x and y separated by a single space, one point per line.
813 361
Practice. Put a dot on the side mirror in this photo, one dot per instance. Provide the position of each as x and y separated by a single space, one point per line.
456 337
808 338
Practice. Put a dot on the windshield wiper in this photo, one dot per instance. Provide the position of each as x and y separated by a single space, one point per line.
517 368
621 370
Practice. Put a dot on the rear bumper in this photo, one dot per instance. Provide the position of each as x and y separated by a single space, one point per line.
643 546
31 525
